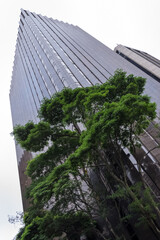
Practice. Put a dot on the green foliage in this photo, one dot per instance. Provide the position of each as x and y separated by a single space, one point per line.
21 132
81 129
144 198
49 226
36 136
142 207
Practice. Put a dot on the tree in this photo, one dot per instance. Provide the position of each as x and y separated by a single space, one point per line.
82 132
16 219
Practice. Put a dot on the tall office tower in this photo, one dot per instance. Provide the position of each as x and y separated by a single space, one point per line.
51 55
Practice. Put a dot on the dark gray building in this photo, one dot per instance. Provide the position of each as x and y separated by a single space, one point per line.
51 55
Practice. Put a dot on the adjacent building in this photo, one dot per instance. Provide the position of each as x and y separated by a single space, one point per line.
142 60
51 55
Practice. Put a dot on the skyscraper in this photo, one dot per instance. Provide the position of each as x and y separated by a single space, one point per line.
51 55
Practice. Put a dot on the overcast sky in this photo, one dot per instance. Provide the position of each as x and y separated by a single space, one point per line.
133 23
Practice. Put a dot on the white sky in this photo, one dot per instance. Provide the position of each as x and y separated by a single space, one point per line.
134 23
